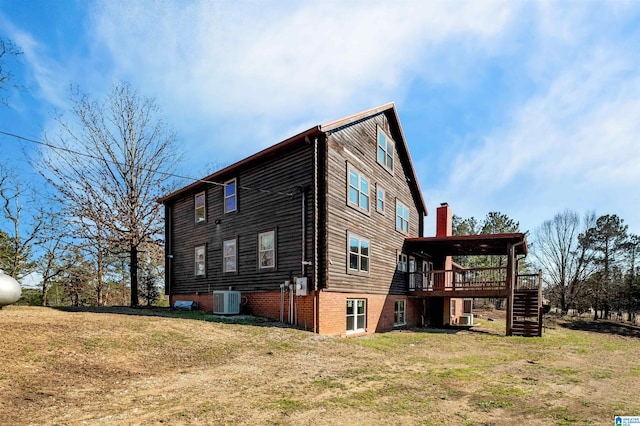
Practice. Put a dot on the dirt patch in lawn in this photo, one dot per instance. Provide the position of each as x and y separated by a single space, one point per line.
130 366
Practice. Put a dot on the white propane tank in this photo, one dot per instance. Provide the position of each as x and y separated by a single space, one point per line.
10 290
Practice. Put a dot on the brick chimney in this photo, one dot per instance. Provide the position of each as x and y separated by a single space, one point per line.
444 220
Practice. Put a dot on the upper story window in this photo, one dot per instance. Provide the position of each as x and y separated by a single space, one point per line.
230 196
402 217
230 256
200 265
200 207
267 250
358 190
385 150
358 254
380 199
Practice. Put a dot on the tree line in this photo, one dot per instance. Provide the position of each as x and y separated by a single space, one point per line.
588 263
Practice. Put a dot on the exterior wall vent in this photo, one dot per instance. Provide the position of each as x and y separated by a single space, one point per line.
226 302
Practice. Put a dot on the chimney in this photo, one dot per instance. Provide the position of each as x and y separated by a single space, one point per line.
443 221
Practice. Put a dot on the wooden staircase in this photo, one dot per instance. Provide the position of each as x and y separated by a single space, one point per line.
527 313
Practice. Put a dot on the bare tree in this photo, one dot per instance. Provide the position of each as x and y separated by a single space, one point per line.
563 256
8 51
54 245
22 231
116 161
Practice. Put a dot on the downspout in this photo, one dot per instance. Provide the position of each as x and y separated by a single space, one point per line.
315 235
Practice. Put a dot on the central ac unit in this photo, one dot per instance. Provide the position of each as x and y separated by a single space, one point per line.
226 302
466 320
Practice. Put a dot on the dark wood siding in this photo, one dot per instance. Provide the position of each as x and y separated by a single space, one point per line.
262 205
356 144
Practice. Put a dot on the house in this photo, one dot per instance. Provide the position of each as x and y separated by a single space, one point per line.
323 230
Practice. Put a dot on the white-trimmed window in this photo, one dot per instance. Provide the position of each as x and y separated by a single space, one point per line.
402 262
400 313
267 250
402 217
385 150
358 190
356 315
427 272
380 199
200 204
230 255
412 273
358 254
200 264
230 196
453 307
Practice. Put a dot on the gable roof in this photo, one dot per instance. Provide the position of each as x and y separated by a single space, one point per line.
304 137
398 137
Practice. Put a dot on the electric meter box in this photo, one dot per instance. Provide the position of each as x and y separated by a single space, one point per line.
301 286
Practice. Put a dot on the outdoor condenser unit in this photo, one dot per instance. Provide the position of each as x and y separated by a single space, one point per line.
226 302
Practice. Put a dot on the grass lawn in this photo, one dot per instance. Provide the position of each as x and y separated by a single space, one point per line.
124 366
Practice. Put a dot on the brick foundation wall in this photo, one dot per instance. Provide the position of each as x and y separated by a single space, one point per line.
380 312
262 304
332 308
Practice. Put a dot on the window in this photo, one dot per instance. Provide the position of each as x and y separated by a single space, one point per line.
230 196
453 308
358 190
356 315
200 207
402 262
380 199
229 256
400 313
200 261
385 150
412 273
427 270
267 250
358 254
402 217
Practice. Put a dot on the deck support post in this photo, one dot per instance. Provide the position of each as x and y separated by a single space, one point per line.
510 286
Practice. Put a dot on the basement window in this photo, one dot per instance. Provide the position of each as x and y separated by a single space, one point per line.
356 315
400 313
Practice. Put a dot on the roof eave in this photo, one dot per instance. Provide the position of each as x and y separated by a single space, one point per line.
248 160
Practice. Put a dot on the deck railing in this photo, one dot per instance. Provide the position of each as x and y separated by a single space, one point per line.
470 279
459 279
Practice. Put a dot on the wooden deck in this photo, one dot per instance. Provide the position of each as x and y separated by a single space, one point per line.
525 297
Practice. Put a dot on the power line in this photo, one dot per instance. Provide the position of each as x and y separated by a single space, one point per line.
84 154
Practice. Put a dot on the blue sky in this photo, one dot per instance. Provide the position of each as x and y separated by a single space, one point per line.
527 108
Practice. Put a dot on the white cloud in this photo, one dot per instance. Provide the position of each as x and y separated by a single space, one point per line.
283 62
574 142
